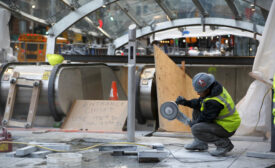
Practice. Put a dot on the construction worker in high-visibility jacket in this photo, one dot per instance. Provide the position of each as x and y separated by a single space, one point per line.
215 117
273 105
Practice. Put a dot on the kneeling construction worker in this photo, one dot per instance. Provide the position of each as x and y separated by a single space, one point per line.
215 117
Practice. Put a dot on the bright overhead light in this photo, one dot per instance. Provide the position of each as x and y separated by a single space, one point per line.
252 7
112 19
157 17
33 6
103 6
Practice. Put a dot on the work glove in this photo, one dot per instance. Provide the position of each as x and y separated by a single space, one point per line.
181 100
191 123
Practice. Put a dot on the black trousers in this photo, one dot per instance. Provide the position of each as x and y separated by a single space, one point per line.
209 132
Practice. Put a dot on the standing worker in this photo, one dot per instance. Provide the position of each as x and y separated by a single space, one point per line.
215 117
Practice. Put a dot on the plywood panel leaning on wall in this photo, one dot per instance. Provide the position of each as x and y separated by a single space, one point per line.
172 82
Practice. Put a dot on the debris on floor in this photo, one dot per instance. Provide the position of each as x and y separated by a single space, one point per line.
39 150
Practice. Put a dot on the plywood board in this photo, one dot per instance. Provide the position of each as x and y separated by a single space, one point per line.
97 115
122 75
172 82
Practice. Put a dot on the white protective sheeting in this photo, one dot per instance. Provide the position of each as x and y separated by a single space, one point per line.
255 107
4 28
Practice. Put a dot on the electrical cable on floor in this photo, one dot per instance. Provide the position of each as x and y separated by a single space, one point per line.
176 144
236 158
261 108
181 161
77 150
97 145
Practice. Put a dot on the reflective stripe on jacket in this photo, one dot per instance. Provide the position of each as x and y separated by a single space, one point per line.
228 117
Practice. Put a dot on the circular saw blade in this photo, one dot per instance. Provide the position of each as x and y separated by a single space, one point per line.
169 110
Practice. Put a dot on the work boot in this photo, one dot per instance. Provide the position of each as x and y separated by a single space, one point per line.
223 146
196 145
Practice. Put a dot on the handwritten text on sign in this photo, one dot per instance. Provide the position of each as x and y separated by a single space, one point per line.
97 115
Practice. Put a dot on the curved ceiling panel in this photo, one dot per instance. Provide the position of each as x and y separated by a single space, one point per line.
147 10
217 8
112 20
113 17
183 8
241 25
50 10
250 12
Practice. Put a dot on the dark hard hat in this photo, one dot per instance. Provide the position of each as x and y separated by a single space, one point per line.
202 81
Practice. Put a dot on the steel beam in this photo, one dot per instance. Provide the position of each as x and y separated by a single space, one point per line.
167 11
81 31
24 15
87 19
68 4
233 8
74 16
203 12
266 4
71 19
264 13
235 60
242 25
263 5
138 23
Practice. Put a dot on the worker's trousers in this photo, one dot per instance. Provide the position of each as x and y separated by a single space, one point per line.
209 132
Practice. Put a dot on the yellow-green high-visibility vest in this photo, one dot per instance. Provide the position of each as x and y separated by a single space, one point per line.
229 117
273 104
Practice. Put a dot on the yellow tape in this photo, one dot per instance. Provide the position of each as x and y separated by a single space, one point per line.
4 147
46 75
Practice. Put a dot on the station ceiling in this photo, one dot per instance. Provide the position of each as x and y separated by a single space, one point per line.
111 18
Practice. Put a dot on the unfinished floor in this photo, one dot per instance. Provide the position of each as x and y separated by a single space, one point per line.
173 143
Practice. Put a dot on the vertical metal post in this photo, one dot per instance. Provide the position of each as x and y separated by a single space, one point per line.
131 83
203 23
22 27
50 45
272 125
52 8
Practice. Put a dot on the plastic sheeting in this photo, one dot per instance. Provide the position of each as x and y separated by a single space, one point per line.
4 28
255 107
6 52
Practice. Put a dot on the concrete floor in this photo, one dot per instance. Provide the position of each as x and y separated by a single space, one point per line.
179 158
